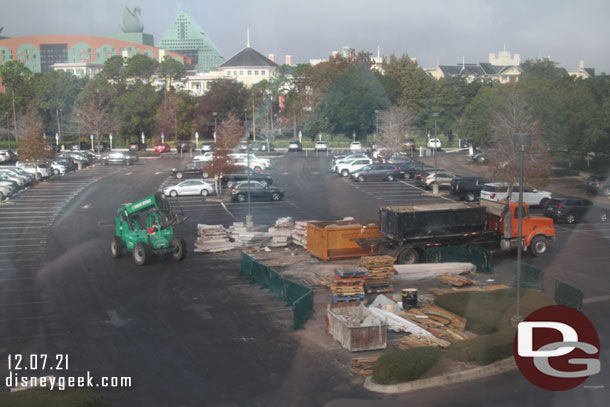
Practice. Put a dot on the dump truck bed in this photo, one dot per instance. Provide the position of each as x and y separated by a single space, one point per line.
401 222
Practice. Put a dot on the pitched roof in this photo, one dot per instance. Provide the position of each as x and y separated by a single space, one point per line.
248 57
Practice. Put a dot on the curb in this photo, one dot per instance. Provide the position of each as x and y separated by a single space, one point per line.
437 381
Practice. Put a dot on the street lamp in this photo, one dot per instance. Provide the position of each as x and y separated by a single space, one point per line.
376 125
249 221
435 114
214 114
8 130
61 125
520 140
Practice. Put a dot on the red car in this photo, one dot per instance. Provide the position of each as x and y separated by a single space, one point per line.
163 148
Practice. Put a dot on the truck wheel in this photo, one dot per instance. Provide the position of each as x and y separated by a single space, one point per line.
179 175
140 253
408 256
116 247
539 245
179 247
470 197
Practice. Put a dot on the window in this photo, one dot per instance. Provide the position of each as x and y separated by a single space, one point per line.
263 72
241 73
249 73
256 73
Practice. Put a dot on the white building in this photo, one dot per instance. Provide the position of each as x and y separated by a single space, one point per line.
80 69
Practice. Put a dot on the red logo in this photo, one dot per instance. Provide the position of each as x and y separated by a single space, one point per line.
557 348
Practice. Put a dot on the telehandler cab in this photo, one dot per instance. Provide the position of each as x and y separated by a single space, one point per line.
146 228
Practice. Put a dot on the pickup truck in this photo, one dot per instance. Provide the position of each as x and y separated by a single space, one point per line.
408 230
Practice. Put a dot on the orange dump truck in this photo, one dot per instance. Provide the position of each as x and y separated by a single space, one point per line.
339 239
407 230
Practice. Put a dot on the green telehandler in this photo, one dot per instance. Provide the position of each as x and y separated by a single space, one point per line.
145 228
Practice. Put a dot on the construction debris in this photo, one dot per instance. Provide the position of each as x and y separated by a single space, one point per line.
381 271
417 341
442 291
414 272
395 322
364 365
348 286
212 239
299 234
456 281
348 325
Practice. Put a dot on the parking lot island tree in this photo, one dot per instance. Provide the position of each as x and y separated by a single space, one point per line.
34 147
230 132
394 123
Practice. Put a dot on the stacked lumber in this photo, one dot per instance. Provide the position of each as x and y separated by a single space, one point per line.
280 237
443 324
286 223
381 271
417 341
348 287
441 291
245 239
299 234
363 365
454 280
212 239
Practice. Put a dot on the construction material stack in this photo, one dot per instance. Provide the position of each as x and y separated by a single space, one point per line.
348 287
299 235
381 271
212 239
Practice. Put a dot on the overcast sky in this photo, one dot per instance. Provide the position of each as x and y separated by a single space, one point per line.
429 30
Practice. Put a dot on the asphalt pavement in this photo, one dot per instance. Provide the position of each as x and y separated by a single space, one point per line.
197 333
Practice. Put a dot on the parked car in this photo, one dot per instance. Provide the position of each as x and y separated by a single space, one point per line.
340 159
241 173
83 145
117 158
101 147
263 146
207 156
321 146
184 146
346 168
498 191
190 170
68 162
440 178
421 175
295 146
22 177
409 144
412 169
244 146
43 172
256 163
257 190
598 184
137 146
190 187
479 157
388 172
58 169
5 192
434 143
571 210
9 183
163 148
355 146
207 146
467 188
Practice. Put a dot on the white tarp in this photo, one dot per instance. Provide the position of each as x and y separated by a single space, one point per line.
413 272
394 322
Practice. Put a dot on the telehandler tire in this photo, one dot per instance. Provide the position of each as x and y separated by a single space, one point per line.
140 253
116 247
179 246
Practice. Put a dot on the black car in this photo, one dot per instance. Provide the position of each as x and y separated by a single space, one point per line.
598 184
184 146
102 147
240 174
389 172
411 169
83 145
190 170
572 210
137 146
207 146
257 190
467 188
118 158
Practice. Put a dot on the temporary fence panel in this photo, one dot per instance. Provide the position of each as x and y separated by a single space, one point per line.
299 297
479 256
568 295
531 276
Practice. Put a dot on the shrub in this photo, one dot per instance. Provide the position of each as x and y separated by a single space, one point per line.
484 349
565 172
405 365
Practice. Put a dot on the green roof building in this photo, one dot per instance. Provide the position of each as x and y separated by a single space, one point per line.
187 37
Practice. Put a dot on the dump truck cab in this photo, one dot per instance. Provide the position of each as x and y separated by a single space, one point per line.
503 217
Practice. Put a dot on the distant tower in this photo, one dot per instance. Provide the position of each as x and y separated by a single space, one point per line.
289 60
272 57
185 36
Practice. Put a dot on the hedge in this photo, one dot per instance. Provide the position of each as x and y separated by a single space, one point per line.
405 365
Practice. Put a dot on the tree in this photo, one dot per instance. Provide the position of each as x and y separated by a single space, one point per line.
394 124
16 79
33 146
230 132
135 110
175 116
410 81
113 68
170 69
224 96
141 67
516 116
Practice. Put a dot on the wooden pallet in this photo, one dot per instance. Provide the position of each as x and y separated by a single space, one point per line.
363 365
456 281
379 289
356 290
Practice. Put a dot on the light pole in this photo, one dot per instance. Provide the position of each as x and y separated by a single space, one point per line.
61 125
8 130
78 118
214 114
435 114
376 125
520 140
249 222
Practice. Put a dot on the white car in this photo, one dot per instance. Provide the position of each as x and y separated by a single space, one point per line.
58 169
338 160
346 168
355 146
434 143
190 187
498 191
5 192
31 168
207 156
261 163
321 146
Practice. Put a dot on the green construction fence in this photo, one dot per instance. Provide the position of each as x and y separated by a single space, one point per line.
568 295
295 295
531 276
479 256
